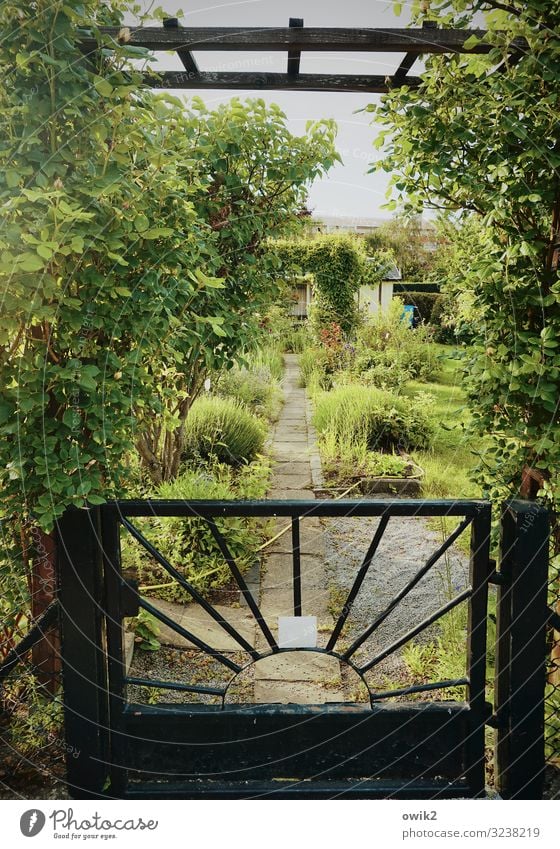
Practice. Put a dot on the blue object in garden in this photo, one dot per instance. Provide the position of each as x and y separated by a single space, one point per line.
408 315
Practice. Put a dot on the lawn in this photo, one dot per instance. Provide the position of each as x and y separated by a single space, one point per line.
448 461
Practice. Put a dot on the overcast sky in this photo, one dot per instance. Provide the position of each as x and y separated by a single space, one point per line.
348 190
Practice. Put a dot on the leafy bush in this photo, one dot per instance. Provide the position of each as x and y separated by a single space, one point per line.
188 543
284 331
315 373
372 418
387 369
277 325
255 387
146 630
389 352
223 429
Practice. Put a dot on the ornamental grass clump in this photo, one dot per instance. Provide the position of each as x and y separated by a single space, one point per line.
222 429
188 543
255 387
353 418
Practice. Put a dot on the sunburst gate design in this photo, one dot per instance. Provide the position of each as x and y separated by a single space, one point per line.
414 749
470 513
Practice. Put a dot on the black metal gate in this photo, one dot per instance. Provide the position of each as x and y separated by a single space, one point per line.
409 749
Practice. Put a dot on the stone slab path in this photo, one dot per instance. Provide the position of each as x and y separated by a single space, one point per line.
303 677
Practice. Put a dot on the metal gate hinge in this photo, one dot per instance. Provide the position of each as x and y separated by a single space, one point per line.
495 576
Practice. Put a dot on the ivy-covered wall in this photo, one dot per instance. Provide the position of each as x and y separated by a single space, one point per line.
339 265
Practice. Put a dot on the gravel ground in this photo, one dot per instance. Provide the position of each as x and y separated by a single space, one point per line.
406 544
192 667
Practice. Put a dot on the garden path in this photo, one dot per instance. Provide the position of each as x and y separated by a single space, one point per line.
305 677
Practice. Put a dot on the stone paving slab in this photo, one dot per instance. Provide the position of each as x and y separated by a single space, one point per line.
310 542
285 435
202 625
294 409
279 570
287 452
291 467
295 481
299 666
294 494
294 692
295 425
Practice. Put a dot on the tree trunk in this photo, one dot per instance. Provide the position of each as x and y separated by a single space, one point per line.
160 452
46 653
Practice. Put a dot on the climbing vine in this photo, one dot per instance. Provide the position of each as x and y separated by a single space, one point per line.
339 265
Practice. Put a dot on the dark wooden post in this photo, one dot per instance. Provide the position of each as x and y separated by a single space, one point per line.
521 650
45 654
477 626
84 671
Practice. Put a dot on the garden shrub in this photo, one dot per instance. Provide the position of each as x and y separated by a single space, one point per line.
254 386
372 419
315 371
188 543
223 429
388 369
389 352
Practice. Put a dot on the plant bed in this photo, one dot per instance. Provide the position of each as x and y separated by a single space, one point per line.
395 474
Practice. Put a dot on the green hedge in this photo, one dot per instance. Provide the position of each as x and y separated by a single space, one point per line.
425 301
402 288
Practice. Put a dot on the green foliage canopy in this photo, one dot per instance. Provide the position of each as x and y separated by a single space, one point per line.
130 231
477 139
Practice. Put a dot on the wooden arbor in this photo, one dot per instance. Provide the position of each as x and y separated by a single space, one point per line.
292 40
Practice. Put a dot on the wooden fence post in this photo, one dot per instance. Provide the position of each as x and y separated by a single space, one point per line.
521 650
84 668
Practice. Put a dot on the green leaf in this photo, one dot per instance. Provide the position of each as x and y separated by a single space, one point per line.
12 178
103 87
471 42
31 262
157 232
141 223
44 251
71 417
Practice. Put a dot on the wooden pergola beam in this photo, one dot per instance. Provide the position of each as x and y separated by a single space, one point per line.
186 57
405 66
268 82
295 39
294 56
